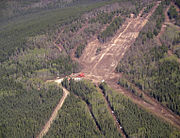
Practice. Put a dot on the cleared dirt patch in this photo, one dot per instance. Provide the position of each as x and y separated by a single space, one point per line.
106 61
101 67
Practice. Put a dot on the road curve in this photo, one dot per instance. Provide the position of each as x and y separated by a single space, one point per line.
54 114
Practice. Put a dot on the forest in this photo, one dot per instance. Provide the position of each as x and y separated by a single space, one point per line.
75 120
135 121
173 15
37 39
24 111
110 30
96 104
29 57
153 70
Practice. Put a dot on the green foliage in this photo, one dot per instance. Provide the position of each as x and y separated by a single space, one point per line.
14 34
149 67
14 37
26 101
177 51
98 50
74 120
167 2
166 84
28 57
172 13
97 106
111 29
16 8
150 35
79 50
24 114
158 52
36 62
177 2
154 24
126 84
147 9
135 121
103 18
171 37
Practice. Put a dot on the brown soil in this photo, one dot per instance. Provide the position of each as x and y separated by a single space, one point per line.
106 61
101 67
55 41
72 54
149 104
165 24
54 114
170 53
163 28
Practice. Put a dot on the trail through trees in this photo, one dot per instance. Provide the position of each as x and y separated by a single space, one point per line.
54 114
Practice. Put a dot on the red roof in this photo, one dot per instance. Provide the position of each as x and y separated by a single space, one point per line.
81 75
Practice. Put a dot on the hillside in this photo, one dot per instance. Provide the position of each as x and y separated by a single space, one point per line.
89 68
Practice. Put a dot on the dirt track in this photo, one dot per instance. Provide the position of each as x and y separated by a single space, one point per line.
58 45
101 67
149 104
54 114
106 61
164 26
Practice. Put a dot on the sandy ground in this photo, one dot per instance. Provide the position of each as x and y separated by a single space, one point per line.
101 67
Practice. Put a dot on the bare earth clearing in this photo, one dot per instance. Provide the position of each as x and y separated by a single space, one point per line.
101 67
105 62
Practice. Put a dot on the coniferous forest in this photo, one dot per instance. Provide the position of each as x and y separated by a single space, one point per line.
42 41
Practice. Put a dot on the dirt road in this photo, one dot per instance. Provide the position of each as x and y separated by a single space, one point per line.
149 104
101 67
106 61
55 41
164 25
54 114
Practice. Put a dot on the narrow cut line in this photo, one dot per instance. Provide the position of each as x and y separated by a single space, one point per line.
119 127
